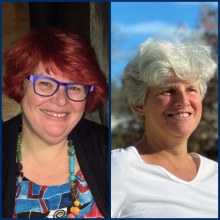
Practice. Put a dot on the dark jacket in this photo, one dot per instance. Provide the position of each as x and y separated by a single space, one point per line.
91 145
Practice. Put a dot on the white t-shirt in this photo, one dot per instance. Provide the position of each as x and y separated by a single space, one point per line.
140 190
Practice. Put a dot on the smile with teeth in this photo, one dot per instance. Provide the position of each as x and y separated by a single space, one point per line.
54 114
180 115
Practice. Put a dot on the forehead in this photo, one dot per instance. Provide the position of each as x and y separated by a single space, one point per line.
178 82
55 73
46 70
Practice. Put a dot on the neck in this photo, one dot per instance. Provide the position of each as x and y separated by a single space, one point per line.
173 150
36 149
172 156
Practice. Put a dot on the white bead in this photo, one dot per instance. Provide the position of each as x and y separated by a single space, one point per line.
20 179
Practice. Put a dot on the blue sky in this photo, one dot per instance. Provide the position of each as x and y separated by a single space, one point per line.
135 22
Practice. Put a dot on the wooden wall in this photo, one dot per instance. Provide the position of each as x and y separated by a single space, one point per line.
99 39
15 23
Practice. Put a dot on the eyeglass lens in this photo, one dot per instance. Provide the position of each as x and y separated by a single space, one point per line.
47 87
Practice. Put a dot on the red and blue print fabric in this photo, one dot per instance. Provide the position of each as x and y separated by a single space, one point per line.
36 201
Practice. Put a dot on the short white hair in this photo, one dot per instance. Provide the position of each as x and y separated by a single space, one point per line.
159 60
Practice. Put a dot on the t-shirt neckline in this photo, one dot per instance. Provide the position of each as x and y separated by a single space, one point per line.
173 177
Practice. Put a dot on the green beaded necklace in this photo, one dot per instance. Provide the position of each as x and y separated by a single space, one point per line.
72 177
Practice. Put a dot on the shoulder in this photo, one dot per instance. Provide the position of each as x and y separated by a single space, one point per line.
93 132
91 127
91 135
121 161
208 169
123 153
11 124
10 129
205 160
121 165
210 165
207 163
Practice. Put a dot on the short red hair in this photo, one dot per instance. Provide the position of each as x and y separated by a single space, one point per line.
57 49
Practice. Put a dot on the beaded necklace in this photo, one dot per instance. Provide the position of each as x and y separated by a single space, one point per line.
72 177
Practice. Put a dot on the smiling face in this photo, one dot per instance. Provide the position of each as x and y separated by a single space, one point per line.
173 109
50 118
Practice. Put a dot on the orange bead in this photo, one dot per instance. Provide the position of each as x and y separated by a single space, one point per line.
71 216
75 196
74 210
76 203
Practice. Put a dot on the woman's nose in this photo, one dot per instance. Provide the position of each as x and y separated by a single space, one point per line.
181 99
60 97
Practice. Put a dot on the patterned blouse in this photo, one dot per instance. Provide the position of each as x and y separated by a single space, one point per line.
36 201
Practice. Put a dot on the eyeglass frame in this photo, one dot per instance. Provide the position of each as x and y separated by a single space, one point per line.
33 79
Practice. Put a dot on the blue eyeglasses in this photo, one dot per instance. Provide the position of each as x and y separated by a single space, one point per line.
47 86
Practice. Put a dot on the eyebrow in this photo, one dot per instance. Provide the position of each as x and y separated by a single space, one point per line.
174 86
38 74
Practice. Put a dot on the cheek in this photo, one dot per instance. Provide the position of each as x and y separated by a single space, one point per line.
27 100
28 95
196 103
156 107
161 103
78 106
31 101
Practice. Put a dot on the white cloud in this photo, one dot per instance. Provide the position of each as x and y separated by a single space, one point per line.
215 4
144 28
195 3
157 29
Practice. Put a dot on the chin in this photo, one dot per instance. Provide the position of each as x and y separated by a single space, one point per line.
182 133
55 133
182 130
52 140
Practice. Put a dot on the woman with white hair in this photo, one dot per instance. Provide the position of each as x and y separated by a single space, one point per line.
157 177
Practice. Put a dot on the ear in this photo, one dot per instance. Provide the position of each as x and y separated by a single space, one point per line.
139 110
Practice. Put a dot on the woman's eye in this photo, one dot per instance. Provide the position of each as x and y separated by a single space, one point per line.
167 92
45 83
192 90
73 88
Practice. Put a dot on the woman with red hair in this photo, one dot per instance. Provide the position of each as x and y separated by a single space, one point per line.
55 162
